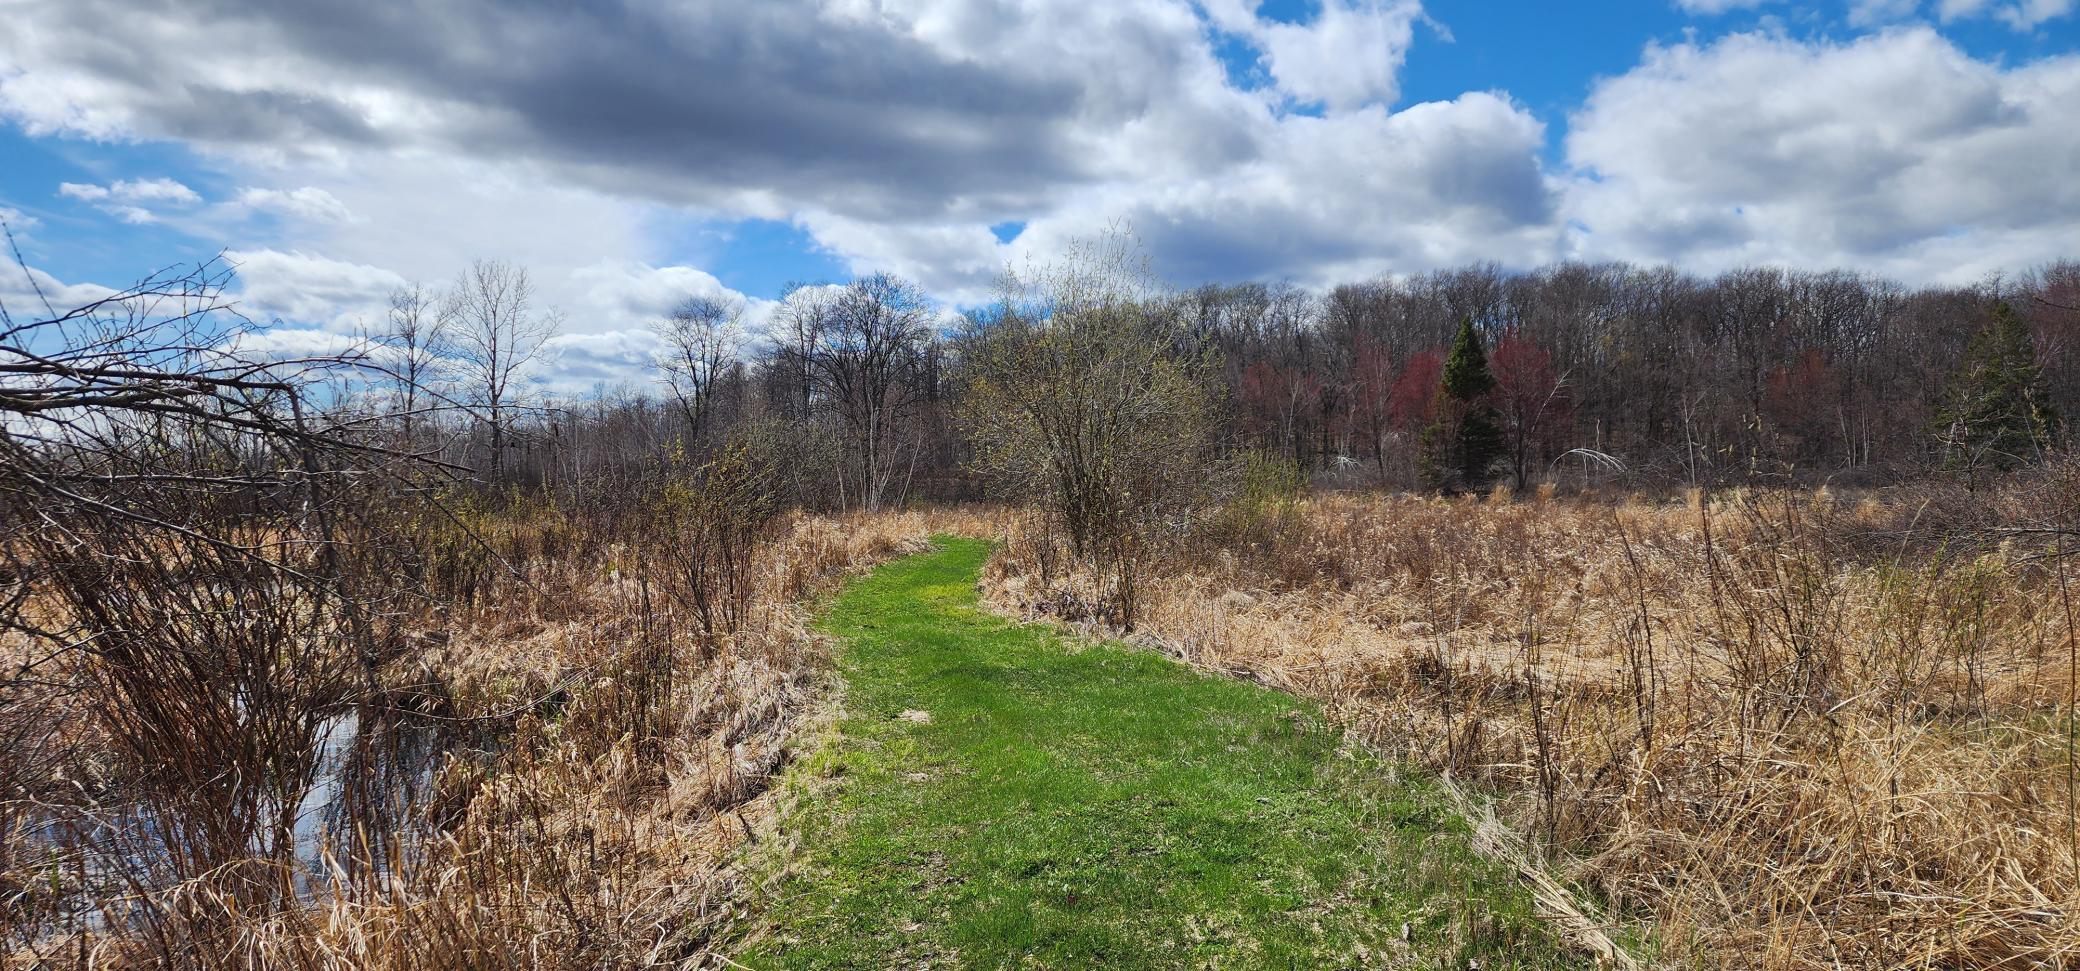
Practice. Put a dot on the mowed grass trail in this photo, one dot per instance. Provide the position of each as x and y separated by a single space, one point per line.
1072 804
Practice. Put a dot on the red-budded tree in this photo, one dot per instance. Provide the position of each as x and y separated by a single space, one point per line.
1412 404
1533 400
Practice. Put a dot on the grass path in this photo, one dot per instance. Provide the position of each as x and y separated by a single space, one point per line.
1003 795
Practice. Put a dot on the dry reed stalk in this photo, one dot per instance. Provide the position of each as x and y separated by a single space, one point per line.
595 789
1794 730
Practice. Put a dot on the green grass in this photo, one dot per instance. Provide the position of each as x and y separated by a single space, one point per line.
1072 804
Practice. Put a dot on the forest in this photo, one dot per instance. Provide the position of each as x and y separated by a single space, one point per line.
1604 375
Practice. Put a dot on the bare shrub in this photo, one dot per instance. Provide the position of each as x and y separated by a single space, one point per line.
1085 397
710 531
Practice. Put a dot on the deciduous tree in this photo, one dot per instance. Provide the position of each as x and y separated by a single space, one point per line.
1531 399
497 334
700 341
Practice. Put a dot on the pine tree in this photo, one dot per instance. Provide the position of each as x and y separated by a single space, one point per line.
1462 446
1994 414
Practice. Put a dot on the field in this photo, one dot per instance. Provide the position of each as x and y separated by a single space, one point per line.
1781 729
1785 729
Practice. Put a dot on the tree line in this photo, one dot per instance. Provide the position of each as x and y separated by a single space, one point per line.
1586 375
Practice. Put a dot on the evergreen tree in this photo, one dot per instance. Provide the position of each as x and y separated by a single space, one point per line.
1994 414
1462 446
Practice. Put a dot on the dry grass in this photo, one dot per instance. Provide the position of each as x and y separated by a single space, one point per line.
1794 730
598 770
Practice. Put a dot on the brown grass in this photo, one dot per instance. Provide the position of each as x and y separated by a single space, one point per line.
597 775
1794 730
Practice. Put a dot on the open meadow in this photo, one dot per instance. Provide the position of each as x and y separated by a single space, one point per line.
1789 728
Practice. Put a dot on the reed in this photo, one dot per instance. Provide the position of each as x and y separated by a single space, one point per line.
1789 729
545 761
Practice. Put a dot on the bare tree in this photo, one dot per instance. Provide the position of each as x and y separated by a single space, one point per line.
419 348
701 341
497 334
81 390
861 347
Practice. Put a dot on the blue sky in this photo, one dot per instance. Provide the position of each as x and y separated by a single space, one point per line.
633 153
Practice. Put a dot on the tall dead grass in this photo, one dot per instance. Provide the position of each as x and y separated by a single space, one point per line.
1795 730
555 774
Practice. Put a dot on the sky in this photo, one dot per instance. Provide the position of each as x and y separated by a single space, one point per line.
631 153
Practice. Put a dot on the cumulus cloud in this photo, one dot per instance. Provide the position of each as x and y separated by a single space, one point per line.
1350 53
896 132
140 190
1895 151
798 99
126 200
28 293
1344 197
1332 199
307 202
903 109
574 365
306 288
400 141
2022 15
426 219
293 343
2028 14
625 296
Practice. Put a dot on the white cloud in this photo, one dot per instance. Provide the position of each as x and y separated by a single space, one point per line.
958 262
1896 152
21 223
895 131
31 294
287 343
2022 15
122 199
1344 197
307 202
154 190
305 288
573 365
2027 14
1349 55
1333 199
138 190
625 296
401 142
